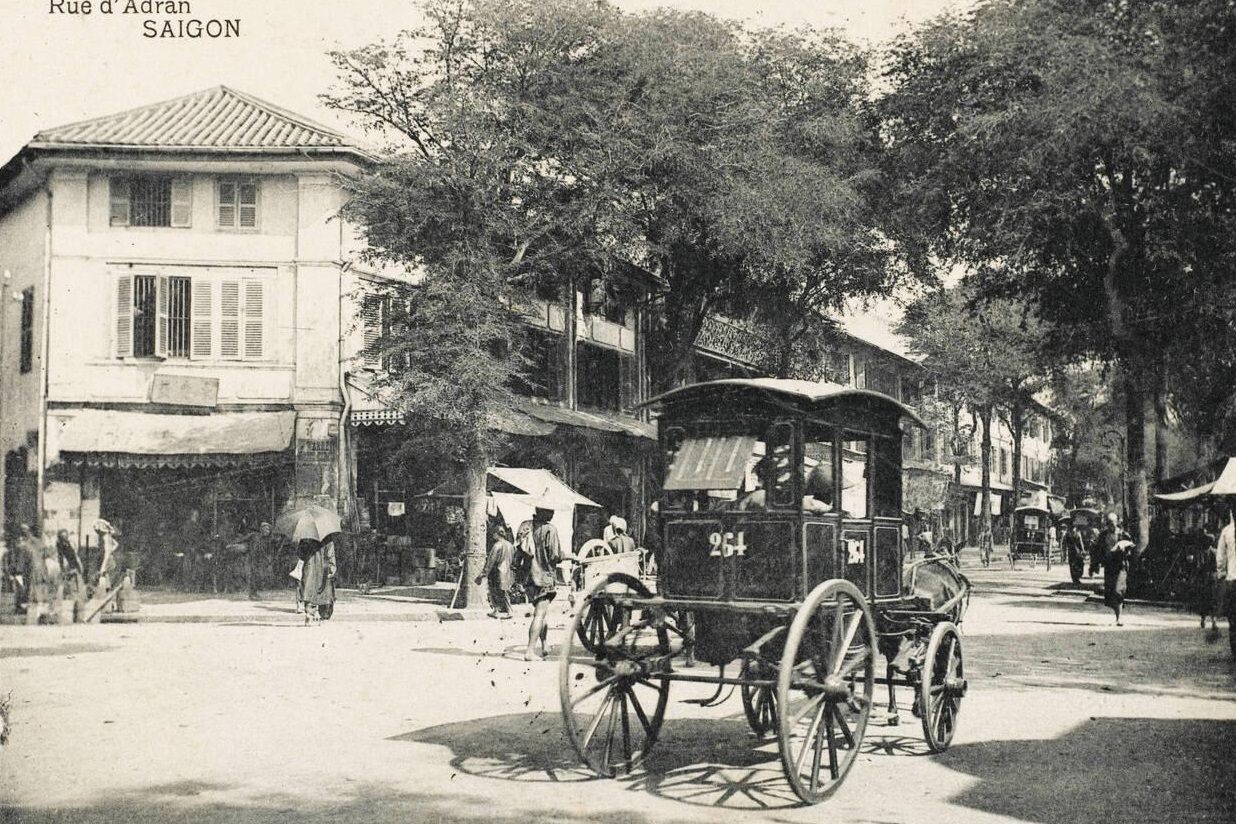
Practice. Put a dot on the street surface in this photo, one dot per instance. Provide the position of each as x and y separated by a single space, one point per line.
1069 720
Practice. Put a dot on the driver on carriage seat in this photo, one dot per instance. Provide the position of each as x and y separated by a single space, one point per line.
817 490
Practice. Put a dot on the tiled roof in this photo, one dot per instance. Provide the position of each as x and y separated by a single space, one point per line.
218 119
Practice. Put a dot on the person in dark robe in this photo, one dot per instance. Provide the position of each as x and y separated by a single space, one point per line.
317 579
1074 551
1117 551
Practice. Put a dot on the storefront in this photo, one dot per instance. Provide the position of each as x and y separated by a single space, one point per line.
176 487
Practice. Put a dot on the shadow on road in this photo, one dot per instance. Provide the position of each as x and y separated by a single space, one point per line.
203 803
1127 660
710 762
1107 769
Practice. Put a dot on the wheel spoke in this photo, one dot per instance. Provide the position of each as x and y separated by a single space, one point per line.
838 620
839 654
818 748
843 726
809 739
626 731
639 711
596 721
594 690
855 663
804 709
607 752
834 769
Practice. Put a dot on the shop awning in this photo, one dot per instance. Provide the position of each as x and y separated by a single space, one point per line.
1226 483
978 503
1188 494
138 438
600 421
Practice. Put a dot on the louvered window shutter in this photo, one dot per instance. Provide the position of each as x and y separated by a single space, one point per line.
227 204
371 325
118 188
182 201
161 302
229 319
247 197
202 333
555 371
255 320
124 316
628 377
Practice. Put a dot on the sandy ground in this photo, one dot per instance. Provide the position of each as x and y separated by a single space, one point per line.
1069 720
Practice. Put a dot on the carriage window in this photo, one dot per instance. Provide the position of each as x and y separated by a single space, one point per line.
819 494
779 465
855 477
718 472
887 482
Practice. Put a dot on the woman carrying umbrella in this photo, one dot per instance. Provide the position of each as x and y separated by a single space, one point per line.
313 529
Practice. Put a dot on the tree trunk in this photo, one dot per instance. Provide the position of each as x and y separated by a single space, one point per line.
1160 421
985 463
1140 432
477 523
1017 424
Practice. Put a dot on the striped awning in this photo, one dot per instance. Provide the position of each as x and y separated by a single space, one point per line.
711 463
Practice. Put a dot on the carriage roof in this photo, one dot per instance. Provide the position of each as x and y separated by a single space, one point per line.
806 396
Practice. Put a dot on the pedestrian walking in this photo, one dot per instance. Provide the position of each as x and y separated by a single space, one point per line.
1117 550
986 545
1225 572
317 579
1206 584
498 573
1074 551
1095 546
253 549
539 541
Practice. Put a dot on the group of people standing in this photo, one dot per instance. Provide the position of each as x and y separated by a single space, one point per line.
1215 579
528 561
1108 551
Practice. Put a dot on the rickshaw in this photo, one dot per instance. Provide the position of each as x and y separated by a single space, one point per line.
1031 535
782 558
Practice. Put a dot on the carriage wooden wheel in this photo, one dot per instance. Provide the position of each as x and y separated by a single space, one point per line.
759 702
943 686
612 687
824 688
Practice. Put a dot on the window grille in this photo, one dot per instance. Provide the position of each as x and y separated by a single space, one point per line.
145 315
27 330
178 317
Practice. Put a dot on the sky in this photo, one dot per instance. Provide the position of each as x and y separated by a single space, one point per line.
59 67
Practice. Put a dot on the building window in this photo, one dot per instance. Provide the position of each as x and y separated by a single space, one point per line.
145 316
238 204
606 299
604 378
151 200
541 372
197 317
884 380
179 302
1004 463
27 330
836 367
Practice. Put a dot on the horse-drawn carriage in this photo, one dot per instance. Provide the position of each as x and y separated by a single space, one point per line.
1032 535
782 557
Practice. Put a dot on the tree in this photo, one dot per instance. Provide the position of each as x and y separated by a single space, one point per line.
983 354
467 200
1079 153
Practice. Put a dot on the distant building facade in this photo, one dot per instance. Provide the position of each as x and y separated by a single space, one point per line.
177 343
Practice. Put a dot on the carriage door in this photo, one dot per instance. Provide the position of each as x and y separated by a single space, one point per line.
856 546
886 507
